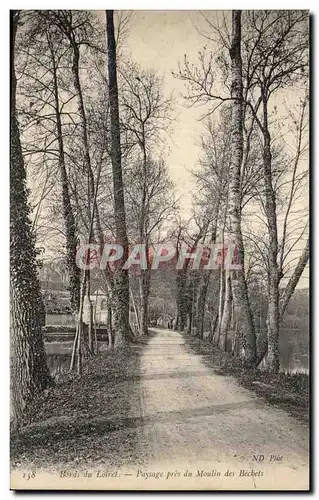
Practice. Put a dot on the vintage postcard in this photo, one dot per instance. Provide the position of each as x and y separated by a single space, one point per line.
159 250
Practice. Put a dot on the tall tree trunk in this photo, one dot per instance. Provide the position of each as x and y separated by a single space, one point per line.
240 291
221 304
222 270
213 326
221 298
189 322
109 323
227 314
90 313
192 307
145 273
68 215
97 233
204 284
144 282
201 303
120 293
79 334
95 325
181 300
273 271
29 370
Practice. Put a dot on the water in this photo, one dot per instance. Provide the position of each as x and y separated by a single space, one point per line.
295 363
294 350
59 357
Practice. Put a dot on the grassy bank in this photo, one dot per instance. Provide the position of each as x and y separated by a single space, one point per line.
287 391
83 420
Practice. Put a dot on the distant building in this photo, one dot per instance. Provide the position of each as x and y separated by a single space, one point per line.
99 302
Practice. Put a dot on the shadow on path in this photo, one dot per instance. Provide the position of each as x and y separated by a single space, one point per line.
87 419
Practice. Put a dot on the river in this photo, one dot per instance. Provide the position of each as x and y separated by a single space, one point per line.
59 354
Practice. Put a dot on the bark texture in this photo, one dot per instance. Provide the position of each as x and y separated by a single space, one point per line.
273 270
29 370
181 300
120 292
240 292
144 284
227 314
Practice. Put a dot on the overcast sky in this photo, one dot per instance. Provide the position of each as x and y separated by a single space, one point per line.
159 39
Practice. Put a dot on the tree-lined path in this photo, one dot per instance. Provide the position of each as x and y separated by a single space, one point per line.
195 417
160 407
162 160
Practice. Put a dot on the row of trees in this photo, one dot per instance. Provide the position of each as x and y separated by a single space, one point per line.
91 138
256 177
92 124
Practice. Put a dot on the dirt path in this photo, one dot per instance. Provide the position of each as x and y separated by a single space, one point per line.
156 417
194 419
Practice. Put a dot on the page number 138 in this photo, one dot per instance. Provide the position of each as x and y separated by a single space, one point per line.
28 475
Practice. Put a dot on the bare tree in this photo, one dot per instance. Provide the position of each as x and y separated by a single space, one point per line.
146 116
29 370
239 285
120 280
274 57
278 57
69 219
